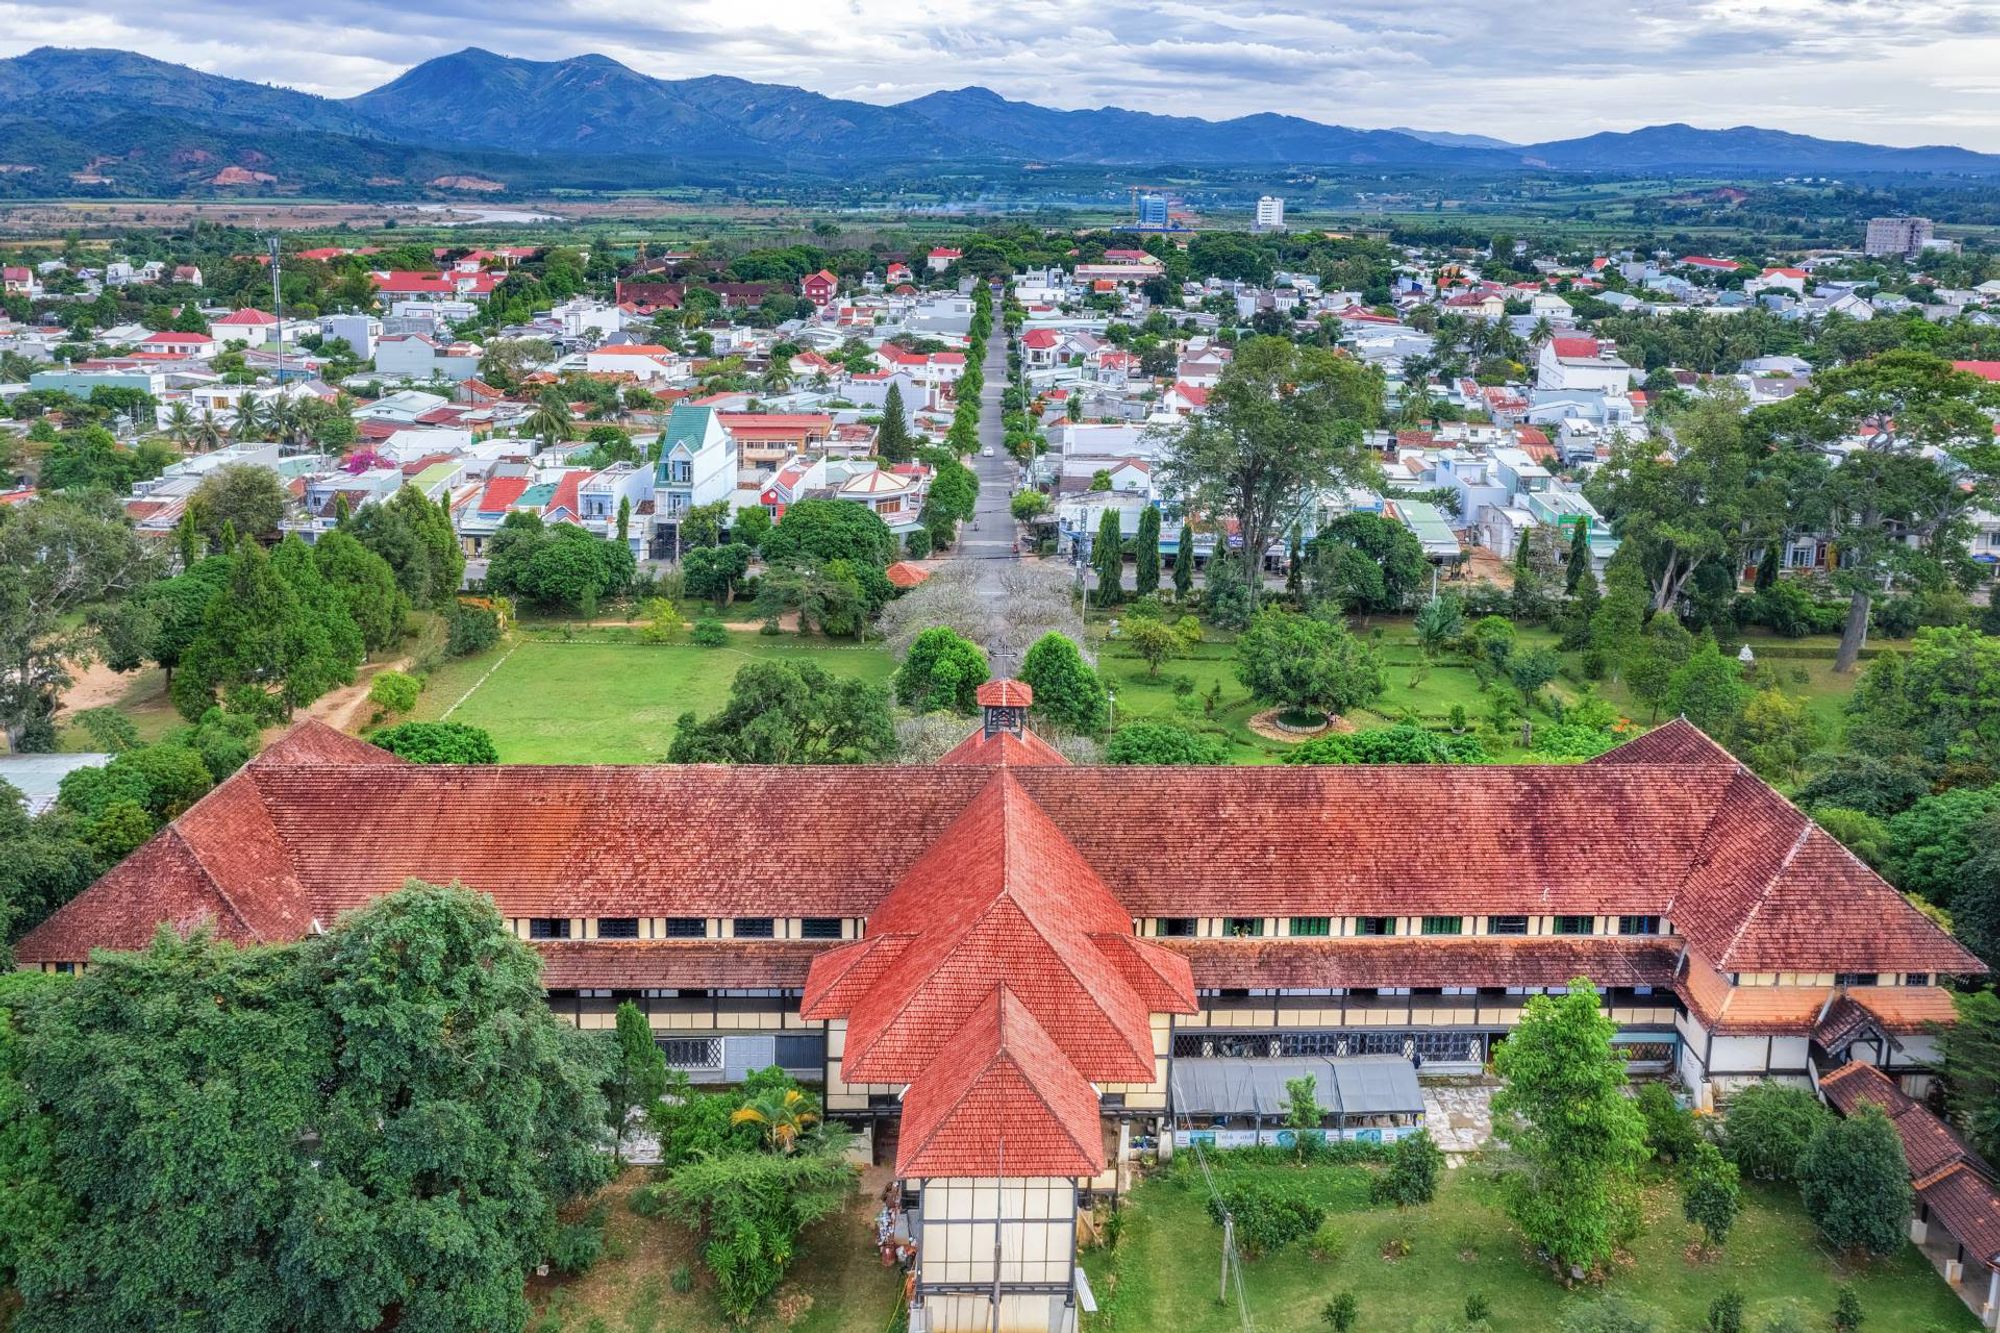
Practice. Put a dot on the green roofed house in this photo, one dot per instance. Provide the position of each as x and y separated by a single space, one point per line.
697 466
1432 529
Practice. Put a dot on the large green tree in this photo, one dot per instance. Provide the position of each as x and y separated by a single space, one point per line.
942 670
1398 570
241 498
825 530
1907 410
1855 1183
789 713
1283 422
1580 1139
1146 553
415 536
59 557
366 586
1068 693
448 1115
1307 663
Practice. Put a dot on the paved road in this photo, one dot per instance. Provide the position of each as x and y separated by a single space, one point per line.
991 541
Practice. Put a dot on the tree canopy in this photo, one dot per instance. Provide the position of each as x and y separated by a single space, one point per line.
1307 663
1283 421
789 713
410 1046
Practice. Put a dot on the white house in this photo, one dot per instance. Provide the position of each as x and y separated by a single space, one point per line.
1582 363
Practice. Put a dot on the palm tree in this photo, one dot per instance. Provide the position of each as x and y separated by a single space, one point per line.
785 1115
208 430
776 379
249 421
282 422
1542 331
550 421
180 424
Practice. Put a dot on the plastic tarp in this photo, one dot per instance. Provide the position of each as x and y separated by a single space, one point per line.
1346 1086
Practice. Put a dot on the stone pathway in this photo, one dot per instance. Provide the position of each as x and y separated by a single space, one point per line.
1460 1118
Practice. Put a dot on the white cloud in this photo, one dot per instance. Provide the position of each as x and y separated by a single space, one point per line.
1891 71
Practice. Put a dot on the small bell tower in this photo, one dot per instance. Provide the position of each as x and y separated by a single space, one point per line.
1004 705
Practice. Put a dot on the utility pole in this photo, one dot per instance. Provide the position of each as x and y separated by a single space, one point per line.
1228 1244
278 306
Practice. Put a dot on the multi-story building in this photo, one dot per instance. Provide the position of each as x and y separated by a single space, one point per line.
1023 960
1897 236
1153 210
1270 214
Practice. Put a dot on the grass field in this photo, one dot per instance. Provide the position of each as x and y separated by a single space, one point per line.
836 1284
1164 1273
604 697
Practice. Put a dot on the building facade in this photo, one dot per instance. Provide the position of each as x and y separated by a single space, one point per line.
1002 970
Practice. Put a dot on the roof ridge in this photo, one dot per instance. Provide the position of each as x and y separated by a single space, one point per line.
1001 1051
1764 891
214 885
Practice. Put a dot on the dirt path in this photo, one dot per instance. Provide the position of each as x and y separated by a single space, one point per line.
95 686
345 708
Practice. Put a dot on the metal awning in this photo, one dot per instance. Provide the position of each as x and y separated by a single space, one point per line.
1345 1085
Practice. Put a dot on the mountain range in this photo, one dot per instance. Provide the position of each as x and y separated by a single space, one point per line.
478 120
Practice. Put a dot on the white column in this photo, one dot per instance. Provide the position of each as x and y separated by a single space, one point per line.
1991 1309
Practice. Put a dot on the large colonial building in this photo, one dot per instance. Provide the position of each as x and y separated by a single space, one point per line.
1002 961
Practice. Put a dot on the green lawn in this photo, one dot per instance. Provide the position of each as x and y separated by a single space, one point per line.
1164 1273
604 697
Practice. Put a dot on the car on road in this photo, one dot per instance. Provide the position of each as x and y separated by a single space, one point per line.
987 452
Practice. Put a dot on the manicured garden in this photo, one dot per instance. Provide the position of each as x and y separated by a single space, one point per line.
1164 1271
605 696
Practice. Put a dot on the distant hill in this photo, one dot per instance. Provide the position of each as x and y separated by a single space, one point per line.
590 122
1747 148
1454 140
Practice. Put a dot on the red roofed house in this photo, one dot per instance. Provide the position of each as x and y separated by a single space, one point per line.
19 280
169 343
1986 370
1708 265
252 328
1792 280
942 258
1026 950
1582 363
1041 347
820 288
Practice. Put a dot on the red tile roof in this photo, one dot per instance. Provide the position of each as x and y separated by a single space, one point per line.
1002 749
1966 1203
1665 826
1986 370
676 964
500 493
1000 1099
1005 693
903 574
1496 960
1000 893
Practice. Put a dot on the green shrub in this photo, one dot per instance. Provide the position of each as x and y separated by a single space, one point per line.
709 632
1268 1217
394 692
1768 1127
470 629
1340 1313
681 1279
1670 1130
578 1245
1412 1178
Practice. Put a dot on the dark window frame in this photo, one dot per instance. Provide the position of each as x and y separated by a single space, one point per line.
1457 925
618 928
1316 927
548 927
760 928
1178 927
820 927
1567 923
687 927
1375 927
1506 925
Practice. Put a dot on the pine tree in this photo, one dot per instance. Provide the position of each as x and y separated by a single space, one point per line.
1147 554
1767 568
1295 572
1522 554
188 540
1184 564
893 441
1579 554
624 519
1109 558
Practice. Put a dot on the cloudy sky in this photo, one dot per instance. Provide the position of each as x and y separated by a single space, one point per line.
1888 71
